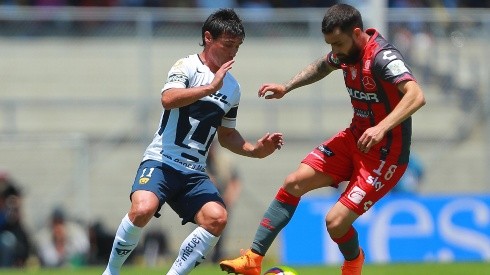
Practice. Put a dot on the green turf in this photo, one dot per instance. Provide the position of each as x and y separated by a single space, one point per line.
207 269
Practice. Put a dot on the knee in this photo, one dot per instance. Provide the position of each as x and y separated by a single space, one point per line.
291 180
213 218
218 224
291 183
336 225
141 213
144 204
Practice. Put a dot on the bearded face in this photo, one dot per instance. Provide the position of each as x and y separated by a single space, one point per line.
353 55
344 46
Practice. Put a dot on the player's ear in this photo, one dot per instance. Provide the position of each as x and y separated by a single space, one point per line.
356 33
207 37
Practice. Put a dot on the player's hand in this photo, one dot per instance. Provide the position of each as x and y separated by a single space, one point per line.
369 138
272 90
217 82
268 144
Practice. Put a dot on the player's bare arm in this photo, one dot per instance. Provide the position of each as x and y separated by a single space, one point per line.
311 74
413 99
179 97
232 140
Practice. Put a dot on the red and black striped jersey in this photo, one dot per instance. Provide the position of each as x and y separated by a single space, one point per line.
372 87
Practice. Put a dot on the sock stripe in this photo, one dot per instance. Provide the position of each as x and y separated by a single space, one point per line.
284 197
346 237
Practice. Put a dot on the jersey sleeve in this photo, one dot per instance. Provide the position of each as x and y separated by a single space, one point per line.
390 66
178 76
229 119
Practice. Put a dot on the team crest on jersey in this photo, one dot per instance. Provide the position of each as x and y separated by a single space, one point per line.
335 59
353 72
144 180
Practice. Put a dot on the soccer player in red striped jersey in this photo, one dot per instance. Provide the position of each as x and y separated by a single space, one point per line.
371 154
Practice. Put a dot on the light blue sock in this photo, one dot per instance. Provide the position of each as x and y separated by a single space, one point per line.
193 251
125 241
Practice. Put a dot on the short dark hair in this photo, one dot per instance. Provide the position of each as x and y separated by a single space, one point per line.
223 21
342 16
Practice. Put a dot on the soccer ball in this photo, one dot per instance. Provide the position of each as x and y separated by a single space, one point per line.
281 270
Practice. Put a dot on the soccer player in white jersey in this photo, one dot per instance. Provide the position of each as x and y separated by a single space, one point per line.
200 98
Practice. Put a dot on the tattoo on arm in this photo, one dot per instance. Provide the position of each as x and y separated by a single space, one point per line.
312 73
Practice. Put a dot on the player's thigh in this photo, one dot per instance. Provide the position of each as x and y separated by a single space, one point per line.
305 179
154 183
326 165
372 179
198 191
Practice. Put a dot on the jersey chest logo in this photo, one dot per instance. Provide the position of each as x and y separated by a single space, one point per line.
353 72
368 83
367 79
220 97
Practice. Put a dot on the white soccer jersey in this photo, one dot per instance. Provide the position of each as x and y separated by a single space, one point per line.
185 134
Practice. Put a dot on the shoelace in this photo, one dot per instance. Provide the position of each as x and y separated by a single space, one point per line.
246 257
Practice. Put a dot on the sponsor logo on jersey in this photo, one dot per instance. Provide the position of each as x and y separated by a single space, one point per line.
178 78
367 64
356 195
144 180
190 165
373 181
363 113
368 82
219 96
369 97
397 67
326 151
384 151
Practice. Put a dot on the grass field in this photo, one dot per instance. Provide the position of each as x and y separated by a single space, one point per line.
391 269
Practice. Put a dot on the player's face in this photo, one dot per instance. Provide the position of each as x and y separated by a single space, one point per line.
223 48
344 45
